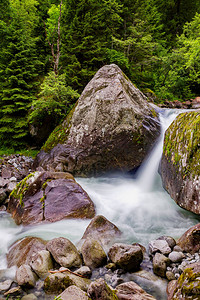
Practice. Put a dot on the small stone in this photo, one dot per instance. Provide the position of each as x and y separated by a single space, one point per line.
84 271
108 278
170 275
13 179
127 257
41 263
177 249
11 186
177 275
64 252
171 241
160 263
159 246
176 256
111 266
93 253
14 291
25 276
5 285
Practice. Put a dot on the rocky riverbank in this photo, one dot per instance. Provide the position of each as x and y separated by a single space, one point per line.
99 268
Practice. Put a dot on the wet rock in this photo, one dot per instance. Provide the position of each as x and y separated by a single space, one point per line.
58 282
187 286
159 246
118 129
127 257
99 289
180 169
15 291
190 240
176 256
170 240
41 263
25 276
93 254
49 197
21 252
84 271
5 285
15 166
131 291
102 229
11 186
178 249
64 252
160 263
3 195
73 292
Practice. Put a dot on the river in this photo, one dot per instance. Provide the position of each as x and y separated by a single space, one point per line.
136 203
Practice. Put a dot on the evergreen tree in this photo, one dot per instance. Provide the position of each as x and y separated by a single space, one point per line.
19 71
87 28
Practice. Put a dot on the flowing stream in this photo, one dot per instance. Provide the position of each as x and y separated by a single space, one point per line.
137 204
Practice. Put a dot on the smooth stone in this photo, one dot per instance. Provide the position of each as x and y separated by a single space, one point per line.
159 246
176 256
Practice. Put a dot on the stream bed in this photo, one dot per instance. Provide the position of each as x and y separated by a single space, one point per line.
136 203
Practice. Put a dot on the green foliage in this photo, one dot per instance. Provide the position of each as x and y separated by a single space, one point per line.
19 70
179 75
54 100
88 27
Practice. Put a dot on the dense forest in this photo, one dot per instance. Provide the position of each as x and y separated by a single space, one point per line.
50 49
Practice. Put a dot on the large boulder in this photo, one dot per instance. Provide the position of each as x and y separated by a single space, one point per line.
180 169
102 229
112 127
190 240
49 197
21 252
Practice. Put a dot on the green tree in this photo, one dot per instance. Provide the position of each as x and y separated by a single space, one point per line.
179 69
88 27
54 101
19 71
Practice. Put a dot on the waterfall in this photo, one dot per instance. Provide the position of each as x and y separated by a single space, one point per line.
148 172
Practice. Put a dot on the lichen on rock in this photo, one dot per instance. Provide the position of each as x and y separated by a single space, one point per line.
112 127
180 165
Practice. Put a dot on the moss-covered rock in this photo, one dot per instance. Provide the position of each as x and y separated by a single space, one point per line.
99 289
49 197
180 165
112 127
188 284
58 282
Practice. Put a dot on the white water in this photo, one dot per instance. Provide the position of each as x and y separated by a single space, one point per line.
137 204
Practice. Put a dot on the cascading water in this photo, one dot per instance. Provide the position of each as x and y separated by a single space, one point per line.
138 205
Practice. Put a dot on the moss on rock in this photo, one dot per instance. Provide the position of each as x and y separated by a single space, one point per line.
182 143
180 165
188 284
